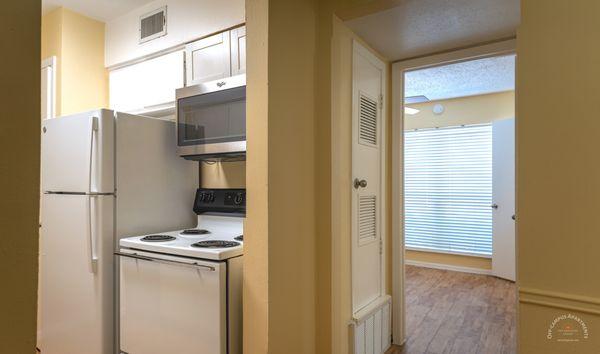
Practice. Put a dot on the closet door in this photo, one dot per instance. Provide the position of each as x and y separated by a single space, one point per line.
208 59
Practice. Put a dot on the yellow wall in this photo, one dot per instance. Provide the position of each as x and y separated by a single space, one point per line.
78 43
52 46
19 173
449 259
558 175
465 110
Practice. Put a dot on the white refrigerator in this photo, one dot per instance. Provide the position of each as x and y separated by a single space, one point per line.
105 175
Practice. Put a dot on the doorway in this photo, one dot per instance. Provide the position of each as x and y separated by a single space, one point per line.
453 195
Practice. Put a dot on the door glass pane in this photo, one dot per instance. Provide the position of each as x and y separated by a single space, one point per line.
212 118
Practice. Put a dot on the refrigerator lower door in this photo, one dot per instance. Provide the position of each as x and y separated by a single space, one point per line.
78 153
167 306
76 274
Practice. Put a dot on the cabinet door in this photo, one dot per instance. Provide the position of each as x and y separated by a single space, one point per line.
147 86
238 50
208 59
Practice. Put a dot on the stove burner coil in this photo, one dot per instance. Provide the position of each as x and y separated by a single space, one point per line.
195 232
158 238
215 244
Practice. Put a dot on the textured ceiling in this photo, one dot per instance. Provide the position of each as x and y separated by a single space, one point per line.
103 10
469 78
420 27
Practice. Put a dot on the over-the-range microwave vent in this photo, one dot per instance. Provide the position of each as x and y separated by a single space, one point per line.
220 157
153 24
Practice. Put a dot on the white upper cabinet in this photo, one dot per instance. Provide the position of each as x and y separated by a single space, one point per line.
216 57
208 59
238 50
147 87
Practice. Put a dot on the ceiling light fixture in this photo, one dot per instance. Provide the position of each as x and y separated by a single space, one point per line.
410 111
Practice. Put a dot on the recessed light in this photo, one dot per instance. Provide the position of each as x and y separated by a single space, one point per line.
410 111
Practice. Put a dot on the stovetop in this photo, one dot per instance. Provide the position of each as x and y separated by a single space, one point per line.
220 239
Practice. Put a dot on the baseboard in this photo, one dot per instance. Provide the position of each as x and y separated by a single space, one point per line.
448 267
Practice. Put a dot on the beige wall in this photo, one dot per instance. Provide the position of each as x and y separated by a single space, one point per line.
78 43
462 111
19 173
223 174
558 175
456 260
279 263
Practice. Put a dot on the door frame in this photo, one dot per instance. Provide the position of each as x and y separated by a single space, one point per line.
505 47
51 63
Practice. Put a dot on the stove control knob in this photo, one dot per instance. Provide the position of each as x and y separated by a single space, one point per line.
211 197
238 199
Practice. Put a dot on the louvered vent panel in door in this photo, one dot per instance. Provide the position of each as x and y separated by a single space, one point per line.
153 25
367 120
367 218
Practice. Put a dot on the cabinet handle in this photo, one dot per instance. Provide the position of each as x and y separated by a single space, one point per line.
221 83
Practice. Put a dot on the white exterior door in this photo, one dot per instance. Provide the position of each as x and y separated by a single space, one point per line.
367 199
503 180
76 274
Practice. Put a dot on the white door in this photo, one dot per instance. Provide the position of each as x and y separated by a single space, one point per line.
175 305
208 59
367 199
76 274
503 191
48 81
238 50
78 153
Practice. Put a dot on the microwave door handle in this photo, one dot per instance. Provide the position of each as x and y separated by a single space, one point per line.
93 130
91 233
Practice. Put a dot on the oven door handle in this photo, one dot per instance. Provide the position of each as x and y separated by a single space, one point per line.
158 260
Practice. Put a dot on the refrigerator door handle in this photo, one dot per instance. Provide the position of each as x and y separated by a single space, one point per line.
93 130
92 238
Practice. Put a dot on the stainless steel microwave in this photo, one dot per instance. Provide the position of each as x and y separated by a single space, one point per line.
211 119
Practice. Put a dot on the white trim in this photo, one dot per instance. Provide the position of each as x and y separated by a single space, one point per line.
397 192
448 267
51 63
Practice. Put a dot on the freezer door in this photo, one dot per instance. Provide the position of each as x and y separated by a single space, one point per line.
78 153
170 307
76 274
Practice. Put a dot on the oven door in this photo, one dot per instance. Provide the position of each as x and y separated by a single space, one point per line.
171 304
211 118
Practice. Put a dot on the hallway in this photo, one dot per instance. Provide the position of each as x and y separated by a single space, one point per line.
453 312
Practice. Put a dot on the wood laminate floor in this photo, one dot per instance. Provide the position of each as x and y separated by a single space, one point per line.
453 312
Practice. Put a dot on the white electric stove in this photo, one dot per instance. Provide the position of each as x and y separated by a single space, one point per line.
181 291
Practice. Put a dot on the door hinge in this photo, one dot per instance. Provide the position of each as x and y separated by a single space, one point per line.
381 101
380 246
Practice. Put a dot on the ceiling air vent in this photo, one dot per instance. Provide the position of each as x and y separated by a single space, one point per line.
153 24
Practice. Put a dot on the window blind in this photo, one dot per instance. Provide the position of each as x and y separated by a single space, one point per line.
448 189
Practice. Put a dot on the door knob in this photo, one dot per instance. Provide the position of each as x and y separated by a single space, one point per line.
359 183
494 206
